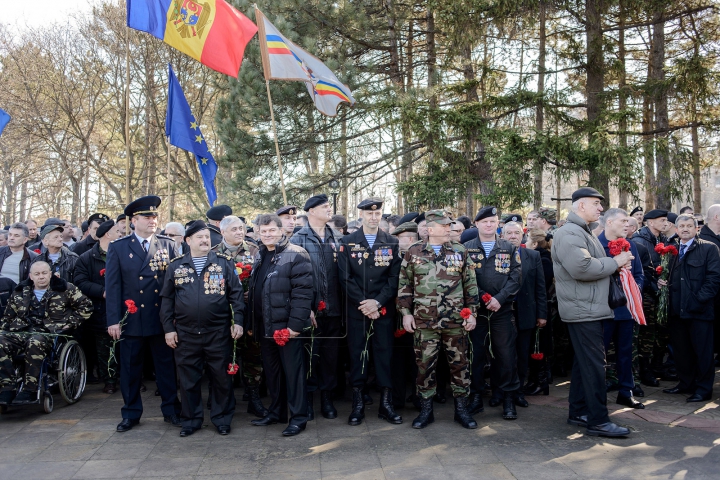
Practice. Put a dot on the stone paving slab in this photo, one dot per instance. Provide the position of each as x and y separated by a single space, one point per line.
671 439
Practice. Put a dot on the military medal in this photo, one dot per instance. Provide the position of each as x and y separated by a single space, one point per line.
366 255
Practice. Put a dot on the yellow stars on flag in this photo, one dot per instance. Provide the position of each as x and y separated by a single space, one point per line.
204 161
198 138
194 125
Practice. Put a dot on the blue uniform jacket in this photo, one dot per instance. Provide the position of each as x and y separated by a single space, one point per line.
623 313
131 273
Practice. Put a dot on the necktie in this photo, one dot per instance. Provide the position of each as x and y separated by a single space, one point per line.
145 245
682 250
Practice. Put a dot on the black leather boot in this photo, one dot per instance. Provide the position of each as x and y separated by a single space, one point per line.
386 410
475 405
310 410
647 376
519 399
358 408
509 412
255 406
426 416
462 416
542 387
496 398
326 405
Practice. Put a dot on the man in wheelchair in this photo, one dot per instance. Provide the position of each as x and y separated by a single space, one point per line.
39 308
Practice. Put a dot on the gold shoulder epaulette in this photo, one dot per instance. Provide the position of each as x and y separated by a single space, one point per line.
177 258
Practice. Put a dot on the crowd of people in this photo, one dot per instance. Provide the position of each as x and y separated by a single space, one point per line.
303 306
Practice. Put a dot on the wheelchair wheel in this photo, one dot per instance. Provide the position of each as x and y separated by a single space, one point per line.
47 403
72 371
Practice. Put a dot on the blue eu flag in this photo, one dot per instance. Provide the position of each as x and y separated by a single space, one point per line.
184 132
4 120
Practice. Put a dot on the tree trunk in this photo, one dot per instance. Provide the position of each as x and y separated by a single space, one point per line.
697 189
539 110
663 192
624 194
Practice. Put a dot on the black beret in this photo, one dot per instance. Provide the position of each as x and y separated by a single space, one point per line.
636 210
193 227
409 217
486 212
242 219
657 213
372 203
250 230
104 227
215 235
672 217
420 218
465 220
585 192
53 221
98 217
315 200
145 206
385 216
514 217
121 217
50 228
468 234
84 226
218 212
287 210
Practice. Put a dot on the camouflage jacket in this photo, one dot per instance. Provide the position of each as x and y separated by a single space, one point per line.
62 306
244 254
434 288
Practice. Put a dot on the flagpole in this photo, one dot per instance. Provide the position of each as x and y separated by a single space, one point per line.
277 147
127 125
168 180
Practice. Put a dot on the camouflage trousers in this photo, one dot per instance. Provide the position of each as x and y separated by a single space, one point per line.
427 350
252 369
653 338
35 348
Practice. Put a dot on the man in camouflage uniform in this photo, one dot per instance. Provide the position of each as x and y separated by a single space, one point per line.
42 305
437 281
241 251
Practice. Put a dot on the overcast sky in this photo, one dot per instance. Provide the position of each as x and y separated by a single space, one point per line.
36 13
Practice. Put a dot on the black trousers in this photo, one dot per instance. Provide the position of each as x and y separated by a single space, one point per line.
132 354
381 344
503 342
588 395
285 376
322 364
212 350
525 339
621 333
404 368
692 342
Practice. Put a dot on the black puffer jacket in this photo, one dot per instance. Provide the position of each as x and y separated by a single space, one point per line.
287 291
65 266
326 278
91 283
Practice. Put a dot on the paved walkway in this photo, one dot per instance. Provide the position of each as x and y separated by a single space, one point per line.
671 439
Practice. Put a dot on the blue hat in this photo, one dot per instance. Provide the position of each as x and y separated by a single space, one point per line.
409 217
218 212
420 218
635 210
514 217
145 206
372 203
104 228
315 201
672 217
486 212
468 234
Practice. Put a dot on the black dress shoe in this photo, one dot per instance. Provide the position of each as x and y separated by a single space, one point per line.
293 430
187 431
699 398
520 401
127 424
637 391
264 422
676 390
173 419
580 421
649 380
629 402
608 429
223 429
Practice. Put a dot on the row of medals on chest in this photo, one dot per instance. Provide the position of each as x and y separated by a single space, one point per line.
214 282
382 256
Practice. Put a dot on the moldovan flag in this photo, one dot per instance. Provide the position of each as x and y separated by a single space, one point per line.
283 60
210 31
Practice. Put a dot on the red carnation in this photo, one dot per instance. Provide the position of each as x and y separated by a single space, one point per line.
321 306
281 336
130 304
537 356
671 249
616 247
400 332
660 248
659 270
232 368
522 245
102 272
383 311
524 229
465 313
37 250
486 298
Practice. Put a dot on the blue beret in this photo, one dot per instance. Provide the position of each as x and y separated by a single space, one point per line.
315 201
